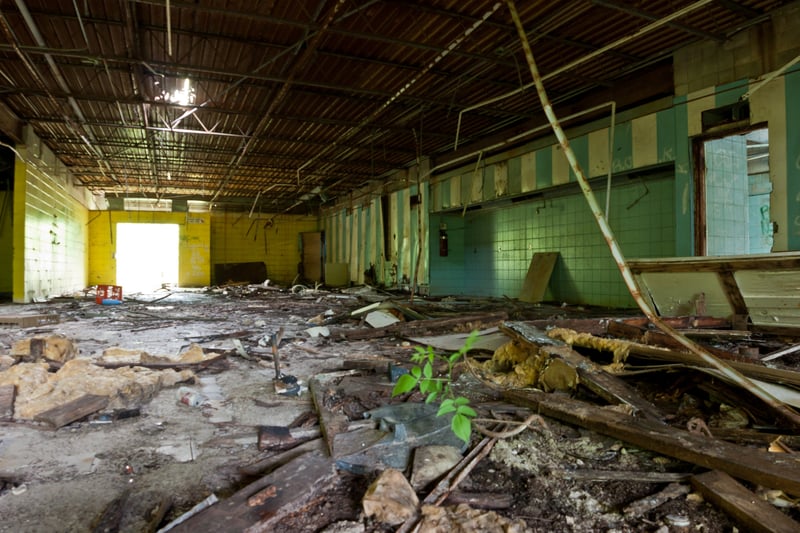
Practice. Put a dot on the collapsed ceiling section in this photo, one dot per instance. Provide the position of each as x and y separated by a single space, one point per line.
287 104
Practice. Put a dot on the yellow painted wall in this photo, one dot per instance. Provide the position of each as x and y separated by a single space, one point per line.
236 238
6 242
18 261
194 253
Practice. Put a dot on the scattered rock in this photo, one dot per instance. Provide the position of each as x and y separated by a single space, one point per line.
390 499
462 518
431 462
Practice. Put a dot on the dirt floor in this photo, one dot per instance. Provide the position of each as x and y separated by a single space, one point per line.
172 456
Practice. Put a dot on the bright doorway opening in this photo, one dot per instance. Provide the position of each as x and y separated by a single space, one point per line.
736 188
147 256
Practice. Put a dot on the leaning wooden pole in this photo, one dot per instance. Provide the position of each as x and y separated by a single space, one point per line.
780 408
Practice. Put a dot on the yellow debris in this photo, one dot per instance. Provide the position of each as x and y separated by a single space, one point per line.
620 348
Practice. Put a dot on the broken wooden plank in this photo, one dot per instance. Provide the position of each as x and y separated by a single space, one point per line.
605 385
294 484
780 353
749 369
659 338
71 411
421 327
143 511
480 500
110 518
163 365
588 474
28 321
538 277
261 466
774 470
7 395
680 322
488 339
330 423
650 502
283 437
745 507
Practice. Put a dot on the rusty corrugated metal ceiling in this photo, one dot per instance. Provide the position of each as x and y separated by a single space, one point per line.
295 102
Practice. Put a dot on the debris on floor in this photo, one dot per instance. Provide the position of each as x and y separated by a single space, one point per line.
190 412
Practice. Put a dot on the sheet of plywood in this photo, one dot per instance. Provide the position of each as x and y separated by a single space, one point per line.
538 276
761 287
771 296
312 255
678 294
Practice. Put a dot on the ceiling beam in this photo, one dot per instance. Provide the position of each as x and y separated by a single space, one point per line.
647 15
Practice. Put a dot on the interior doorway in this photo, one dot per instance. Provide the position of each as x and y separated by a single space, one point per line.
147 256
734 189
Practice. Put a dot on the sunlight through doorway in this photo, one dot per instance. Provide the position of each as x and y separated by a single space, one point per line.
147 256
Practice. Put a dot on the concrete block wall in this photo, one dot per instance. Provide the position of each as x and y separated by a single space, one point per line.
194 244
275 240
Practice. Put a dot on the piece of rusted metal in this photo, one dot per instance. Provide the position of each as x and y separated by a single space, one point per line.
779 407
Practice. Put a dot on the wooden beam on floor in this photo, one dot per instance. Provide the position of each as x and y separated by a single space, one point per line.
773 470
746 508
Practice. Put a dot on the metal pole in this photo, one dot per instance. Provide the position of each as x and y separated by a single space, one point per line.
731 374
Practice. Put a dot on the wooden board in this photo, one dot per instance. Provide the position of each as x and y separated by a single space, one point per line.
772 470
28 321
7 394
330 423
71 411
538 276
262 504
761 287
745 507
313 246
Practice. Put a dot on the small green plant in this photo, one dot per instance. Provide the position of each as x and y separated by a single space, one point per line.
438 387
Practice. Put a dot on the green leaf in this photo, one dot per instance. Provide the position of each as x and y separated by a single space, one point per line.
466 410
405 383
428 370
446 407
462 427
416 372
461 401
431 397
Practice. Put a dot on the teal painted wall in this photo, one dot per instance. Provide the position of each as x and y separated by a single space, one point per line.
489 252
490 248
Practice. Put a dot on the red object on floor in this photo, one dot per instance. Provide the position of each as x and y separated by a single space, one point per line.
108 292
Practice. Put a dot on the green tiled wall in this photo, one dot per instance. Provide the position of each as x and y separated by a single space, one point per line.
726 196
489 252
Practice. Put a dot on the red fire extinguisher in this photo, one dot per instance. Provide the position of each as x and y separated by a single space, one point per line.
443 241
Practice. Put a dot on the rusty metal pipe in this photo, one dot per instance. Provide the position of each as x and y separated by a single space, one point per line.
780 408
